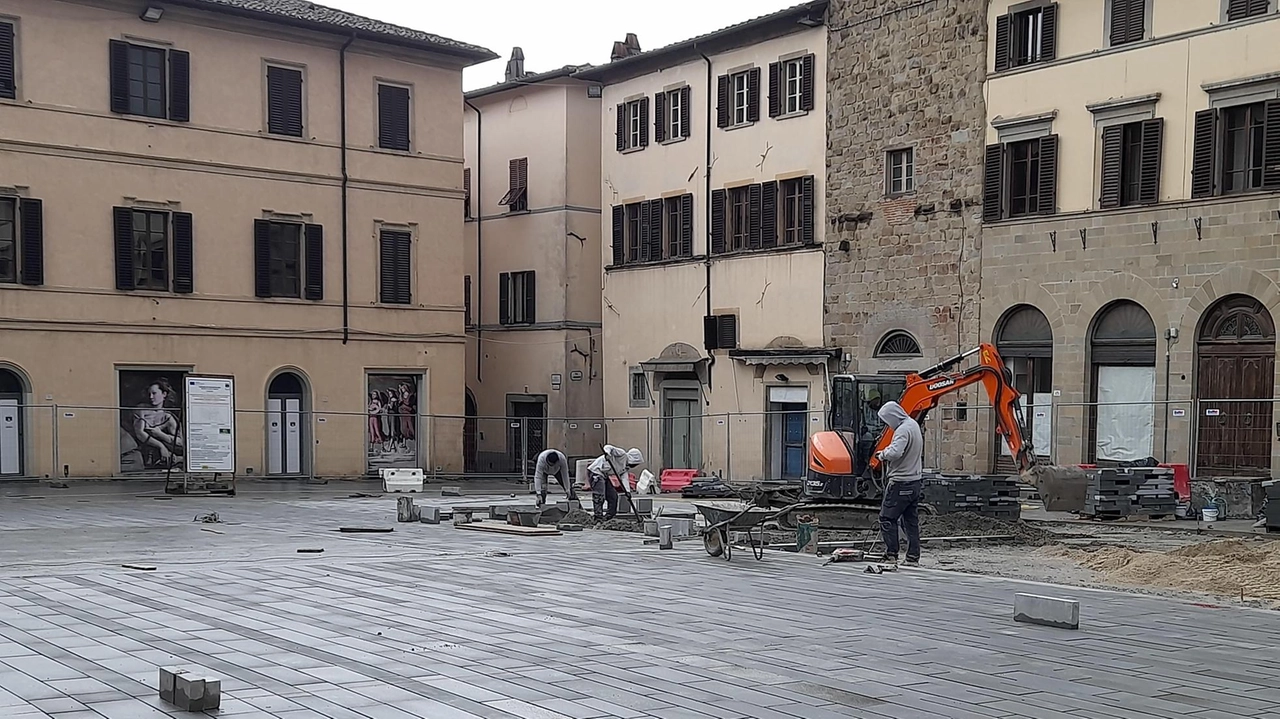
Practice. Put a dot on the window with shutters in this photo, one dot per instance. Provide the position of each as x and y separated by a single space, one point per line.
673 114
147 95
517 197
639 395
741 87
466 301
1127 21
1241 9
147 81
900 171
794 93
791 194
394 117
1131 163
284 101
720 332
395 260
8 61
151 250
633 125
739 217
671 222
635 246
466 193
285 256
1024 177
1026 37
518 297
8 239
1243 135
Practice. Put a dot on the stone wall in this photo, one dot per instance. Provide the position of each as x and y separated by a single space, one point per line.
907 75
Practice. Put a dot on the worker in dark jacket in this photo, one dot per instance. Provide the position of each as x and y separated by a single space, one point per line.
903 467
551 463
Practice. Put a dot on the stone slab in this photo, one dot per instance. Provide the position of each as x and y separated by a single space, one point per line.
1046 611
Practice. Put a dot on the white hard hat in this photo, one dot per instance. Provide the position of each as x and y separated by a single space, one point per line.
635 457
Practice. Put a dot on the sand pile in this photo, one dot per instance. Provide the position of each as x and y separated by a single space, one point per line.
1227 566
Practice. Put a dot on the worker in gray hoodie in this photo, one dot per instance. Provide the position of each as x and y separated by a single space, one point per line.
902 465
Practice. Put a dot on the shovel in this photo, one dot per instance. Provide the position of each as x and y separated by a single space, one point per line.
622 481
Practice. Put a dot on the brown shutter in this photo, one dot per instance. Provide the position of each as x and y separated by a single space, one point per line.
31 215
504 298
1049 33
466 301
393 117
1259 7
284 101
120 79
1152 160
753 95
1238 9
466 192
523 178
645 228
262 258
1119 22
644 122
728 332
1203 153
659 117
123 230
686 225
1048 190
775 89
993 184
179 86
807 230
718 199
1112 162
1004 42
655 230
530 297
622 127
686 112
619 243
8 79
1271 144
807 82
710 332
769 214
183 253
513 177
722 102
395 269
1133 20
313 258
753 217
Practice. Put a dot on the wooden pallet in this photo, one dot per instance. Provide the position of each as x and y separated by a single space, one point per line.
509 529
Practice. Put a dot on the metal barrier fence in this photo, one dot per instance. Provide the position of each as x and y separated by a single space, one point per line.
1214 437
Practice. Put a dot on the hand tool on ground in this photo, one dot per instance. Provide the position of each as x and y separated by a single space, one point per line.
622 482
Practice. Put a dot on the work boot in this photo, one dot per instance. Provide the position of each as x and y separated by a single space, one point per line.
911 562
1260 524
890 559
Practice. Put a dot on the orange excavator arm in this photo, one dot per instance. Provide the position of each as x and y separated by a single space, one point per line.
926 388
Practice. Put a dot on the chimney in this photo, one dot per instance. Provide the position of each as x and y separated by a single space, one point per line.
515 66
619 51
633 44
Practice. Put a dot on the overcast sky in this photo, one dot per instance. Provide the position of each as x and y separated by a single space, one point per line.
555 33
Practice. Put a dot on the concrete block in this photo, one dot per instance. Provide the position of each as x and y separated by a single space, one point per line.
190 691
451 491
664 537
679 527
499 511
1046 611
405 509
429 515
402 480
569 527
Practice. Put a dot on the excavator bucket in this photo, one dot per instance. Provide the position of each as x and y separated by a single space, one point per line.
1063 489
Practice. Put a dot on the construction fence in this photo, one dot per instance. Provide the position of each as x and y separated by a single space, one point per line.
1214 437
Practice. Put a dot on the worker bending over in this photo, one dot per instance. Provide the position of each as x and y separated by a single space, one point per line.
615 461
551 463
903 462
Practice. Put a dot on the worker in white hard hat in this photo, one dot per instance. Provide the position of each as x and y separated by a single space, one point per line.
615 461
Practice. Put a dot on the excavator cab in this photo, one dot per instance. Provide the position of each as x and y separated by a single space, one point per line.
840 458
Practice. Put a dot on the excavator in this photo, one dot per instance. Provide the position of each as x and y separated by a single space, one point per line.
844 485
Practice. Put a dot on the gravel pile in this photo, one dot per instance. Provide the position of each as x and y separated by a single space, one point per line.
968 524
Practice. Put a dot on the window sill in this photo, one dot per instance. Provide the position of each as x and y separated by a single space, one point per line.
790 115
779 250
650 264
673 141
147 118
632 150
291 138
392 151
740 126
900 195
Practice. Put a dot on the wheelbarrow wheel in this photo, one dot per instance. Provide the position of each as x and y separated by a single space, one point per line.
713 542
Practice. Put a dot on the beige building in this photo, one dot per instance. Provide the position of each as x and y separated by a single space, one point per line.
243 188
534 380
1129 255
714 189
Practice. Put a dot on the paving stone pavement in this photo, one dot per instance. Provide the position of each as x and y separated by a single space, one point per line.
431 622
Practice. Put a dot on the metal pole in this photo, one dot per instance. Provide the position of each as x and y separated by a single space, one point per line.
310 416
53 471
728 447
524 451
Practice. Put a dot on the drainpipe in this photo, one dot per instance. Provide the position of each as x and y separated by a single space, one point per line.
478 302
710 122
346 184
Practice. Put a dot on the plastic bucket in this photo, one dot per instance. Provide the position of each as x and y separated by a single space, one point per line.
1209 514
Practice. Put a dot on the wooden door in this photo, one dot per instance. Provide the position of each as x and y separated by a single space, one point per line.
1235 433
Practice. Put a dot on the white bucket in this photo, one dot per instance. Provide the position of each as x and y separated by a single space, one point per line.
1209 514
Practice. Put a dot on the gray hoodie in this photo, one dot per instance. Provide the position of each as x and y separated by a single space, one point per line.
904 457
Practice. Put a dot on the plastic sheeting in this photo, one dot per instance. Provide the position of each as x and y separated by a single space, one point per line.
1126 413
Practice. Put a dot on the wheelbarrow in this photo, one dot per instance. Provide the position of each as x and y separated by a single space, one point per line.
738 516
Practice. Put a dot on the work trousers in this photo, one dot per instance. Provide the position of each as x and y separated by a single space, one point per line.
901 503
604 497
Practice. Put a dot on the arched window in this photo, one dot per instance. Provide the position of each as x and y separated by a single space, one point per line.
1122 357
1025 341
897 344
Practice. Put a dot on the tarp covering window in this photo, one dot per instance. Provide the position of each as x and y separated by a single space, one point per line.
1126 413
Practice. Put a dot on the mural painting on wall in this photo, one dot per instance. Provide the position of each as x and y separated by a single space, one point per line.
392 434
152 437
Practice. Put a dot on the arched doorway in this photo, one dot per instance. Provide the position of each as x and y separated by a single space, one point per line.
1235 361
1025 342
287 419
1122 359
470 446
13 400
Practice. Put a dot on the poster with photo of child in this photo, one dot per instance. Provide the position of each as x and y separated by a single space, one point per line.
392 433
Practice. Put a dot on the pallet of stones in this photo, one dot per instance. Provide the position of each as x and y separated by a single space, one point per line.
1130 491
1272 513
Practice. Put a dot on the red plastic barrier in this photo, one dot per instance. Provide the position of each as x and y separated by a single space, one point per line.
1181 480
674 480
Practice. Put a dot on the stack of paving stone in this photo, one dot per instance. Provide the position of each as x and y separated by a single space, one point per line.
1273 505
1130 491
990 495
